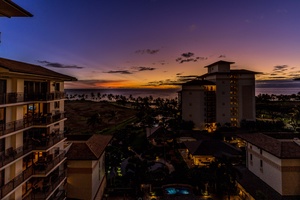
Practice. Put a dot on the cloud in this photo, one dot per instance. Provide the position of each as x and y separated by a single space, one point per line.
58 65
280 68
93 83
189 57
118 72
147 51
140 69
222 56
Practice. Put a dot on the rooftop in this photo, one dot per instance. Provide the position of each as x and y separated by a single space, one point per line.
20 68
10 9
281 145
92 149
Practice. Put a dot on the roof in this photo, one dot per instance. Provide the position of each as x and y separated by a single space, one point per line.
219 62
25 68
92 149
10 9
280 147
199 82
211 147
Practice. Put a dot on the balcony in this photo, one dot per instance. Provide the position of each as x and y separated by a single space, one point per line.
17 97
45 142
48 118
6 128
47 189
12 154
17 181
45 164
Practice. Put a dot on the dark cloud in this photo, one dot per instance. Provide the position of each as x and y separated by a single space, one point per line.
58 65
140 69
189 57
119 72
147 51
280 68
222 56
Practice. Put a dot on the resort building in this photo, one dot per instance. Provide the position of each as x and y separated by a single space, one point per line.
32 150
274 160
221 96
86 167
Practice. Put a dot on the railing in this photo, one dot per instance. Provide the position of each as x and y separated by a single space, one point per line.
6 128
12 154
45 143
18 180
43 168
48 189
45 120
16 97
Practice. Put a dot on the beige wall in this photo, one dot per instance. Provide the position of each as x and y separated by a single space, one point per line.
193 105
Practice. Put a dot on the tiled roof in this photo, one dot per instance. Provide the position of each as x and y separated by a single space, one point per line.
210 147
26 68
286 148
92 149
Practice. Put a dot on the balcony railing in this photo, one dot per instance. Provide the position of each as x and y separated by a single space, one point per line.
17 97
18 180
48 188
49 119
45 166
44 143
12 154
6 128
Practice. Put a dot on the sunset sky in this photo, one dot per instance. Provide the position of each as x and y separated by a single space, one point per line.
154 43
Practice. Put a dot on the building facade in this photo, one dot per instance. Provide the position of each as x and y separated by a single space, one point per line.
32 151
275 159
231 100
86 168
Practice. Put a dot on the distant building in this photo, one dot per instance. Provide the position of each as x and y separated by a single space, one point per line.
32 151
203 152
86 168
273 159
221 96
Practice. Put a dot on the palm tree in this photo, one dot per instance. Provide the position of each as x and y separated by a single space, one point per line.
94 120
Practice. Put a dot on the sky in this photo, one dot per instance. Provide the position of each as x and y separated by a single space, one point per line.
154 43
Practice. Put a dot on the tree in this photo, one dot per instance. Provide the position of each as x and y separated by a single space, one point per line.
94 120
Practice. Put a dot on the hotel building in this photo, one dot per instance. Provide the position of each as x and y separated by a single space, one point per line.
221 96
32 150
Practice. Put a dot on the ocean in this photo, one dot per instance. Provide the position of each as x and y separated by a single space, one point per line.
284 87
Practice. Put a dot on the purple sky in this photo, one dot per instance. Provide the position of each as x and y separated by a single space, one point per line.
141 43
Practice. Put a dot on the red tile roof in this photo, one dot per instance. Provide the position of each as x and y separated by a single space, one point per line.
25 68
92 149
281 148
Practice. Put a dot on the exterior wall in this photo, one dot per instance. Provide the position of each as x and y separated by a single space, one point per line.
222 97
270 171
86 179
79 179
246 97
220 67
291 176
193 105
